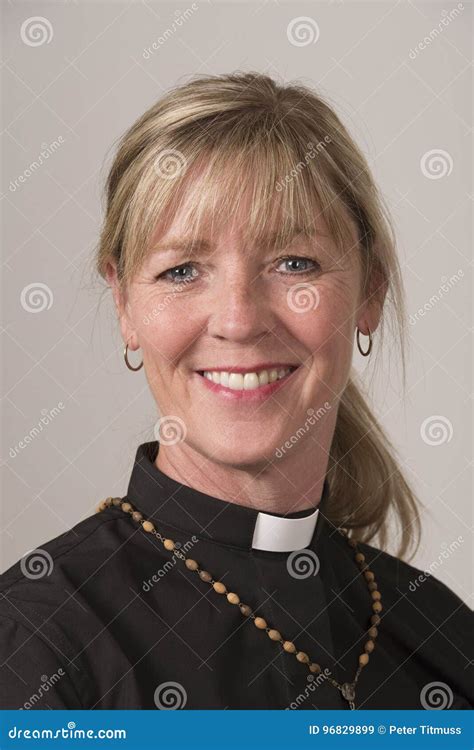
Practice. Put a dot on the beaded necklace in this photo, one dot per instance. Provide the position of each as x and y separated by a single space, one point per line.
347 689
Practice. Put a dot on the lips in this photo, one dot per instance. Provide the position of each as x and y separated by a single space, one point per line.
246 385
249 369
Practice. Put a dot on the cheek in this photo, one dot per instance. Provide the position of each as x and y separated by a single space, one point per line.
327 321
164 326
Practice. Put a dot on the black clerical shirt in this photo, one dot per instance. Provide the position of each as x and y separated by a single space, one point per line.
118 622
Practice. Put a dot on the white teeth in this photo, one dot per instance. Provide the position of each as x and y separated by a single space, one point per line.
248 381
251 381
236 380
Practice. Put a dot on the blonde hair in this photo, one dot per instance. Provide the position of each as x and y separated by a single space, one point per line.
287 146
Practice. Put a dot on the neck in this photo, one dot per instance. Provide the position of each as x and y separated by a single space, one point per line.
284 486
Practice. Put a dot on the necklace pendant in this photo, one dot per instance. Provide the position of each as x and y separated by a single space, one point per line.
348 692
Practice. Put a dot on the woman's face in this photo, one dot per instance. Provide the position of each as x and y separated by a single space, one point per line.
230 307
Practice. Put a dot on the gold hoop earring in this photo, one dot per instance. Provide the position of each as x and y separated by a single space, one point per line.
368 350
130 367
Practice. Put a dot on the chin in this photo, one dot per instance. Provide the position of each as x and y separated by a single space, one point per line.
240 451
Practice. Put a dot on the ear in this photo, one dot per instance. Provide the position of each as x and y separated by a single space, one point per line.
370 312
121 306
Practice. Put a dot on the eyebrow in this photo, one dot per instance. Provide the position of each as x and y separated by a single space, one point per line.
183 245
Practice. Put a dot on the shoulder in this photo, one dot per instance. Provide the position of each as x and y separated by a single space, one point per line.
43 602
48 561
43 587
422 591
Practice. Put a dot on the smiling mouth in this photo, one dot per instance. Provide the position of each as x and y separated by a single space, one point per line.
248 381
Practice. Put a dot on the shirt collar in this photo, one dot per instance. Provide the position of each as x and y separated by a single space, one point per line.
162 499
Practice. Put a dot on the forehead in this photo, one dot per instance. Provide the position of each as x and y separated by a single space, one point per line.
220 204
181 230
187 243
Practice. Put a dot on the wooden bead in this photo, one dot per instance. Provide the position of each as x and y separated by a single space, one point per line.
302 657
219 587
246 610
274 635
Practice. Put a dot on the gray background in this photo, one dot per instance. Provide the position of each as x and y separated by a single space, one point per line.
82 88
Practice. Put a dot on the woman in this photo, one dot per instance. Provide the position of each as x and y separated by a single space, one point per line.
246 247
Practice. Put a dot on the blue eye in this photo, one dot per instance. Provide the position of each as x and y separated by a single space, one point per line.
177 275
298 259
177 279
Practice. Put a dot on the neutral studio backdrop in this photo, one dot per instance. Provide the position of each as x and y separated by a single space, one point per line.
400 76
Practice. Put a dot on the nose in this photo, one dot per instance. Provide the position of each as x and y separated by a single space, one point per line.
239 310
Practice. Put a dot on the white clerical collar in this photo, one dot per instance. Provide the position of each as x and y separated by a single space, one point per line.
282 534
